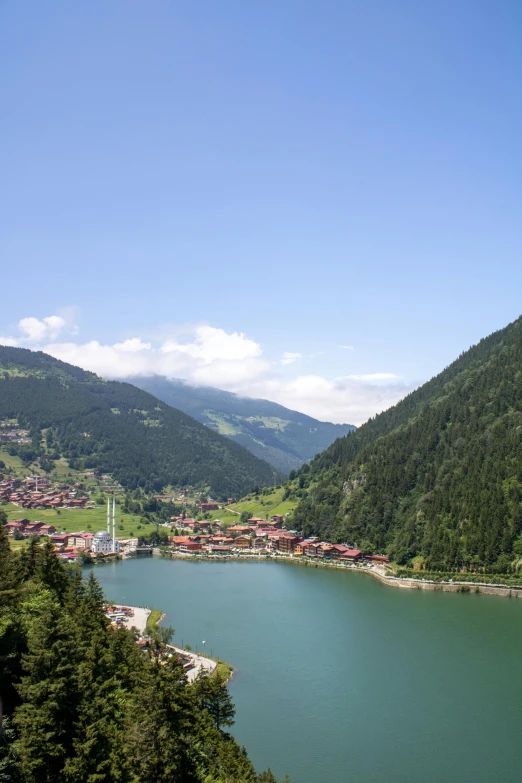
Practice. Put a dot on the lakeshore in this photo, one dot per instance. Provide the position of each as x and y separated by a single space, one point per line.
427 687
377 572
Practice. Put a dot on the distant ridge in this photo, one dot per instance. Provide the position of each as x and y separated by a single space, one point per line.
283 437
118 428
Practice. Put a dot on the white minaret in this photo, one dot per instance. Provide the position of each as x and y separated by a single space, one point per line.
114 523
108 515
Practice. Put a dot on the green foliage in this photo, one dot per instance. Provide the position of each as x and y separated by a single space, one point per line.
282 437
82 704
212 695
438 475
78 411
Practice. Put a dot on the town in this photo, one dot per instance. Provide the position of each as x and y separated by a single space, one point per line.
184 537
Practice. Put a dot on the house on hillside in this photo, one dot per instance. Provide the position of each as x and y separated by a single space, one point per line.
256 522
239 529
12 526
208 507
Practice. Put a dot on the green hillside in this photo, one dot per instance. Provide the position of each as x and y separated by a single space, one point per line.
119 429
438 477
282 437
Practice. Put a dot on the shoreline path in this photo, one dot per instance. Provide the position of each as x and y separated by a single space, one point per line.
200 663
139 620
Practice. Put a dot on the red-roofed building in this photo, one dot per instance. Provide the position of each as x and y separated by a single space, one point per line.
190 547
351 555
285 544
208 507
243 542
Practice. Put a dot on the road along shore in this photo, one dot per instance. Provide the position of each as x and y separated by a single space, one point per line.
387 579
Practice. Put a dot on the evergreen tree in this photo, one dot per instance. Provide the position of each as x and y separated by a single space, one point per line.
160 727
48 689
213 696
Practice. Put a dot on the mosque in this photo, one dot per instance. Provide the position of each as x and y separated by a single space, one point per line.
103 541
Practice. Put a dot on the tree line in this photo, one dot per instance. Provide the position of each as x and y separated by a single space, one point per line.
80 703
438 477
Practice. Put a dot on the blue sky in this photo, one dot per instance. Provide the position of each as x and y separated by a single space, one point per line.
241 188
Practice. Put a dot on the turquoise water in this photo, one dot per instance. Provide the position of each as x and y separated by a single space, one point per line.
341 679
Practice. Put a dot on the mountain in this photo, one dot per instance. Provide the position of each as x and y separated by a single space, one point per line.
438 477
282 437
116 428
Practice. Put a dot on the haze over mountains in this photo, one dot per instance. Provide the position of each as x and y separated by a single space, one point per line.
283 437
438 477
117 428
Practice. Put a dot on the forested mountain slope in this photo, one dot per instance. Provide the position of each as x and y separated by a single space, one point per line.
117 428
283 437
438 476
80 702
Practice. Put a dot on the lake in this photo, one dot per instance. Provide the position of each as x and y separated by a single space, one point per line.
340 679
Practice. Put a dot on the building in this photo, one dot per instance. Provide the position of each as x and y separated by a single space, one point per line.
12 526
208 507
219 550
285 544
238 529
59 540
243 542
351 555
190 547
102 542
323 550
80 540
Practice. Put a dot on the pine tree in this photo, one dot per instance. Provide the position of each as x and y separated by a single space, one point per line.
213 696
48 689
159 734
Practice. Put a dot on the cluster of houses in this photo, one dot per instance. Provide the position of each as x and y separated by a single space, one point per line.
10 433
68 544
256 536
26 528
260 537
36 492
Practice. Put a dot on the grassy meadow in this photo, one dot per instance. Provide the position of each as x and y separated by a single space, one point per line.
263 506
72 520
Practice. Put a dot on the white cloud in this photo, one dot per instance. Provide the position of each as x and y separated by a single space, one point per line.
375 376
290 358
133 345
210 344
347 347
212 356
341 400
35 330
